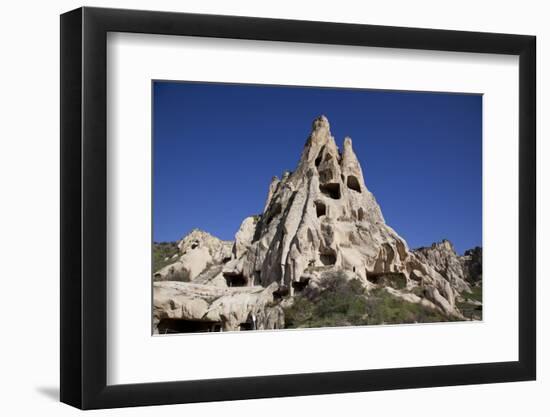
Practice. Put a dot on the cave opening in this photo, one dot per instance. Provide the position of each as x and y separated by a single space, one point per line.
237 280
247 325
328 258
318 160
360 214
168 326
274 212
373 278
281 292
299 286
353 183
319 157
320 208
331 190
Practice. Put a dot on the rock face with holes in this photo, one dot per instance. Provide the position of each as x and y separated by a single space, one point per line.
198 252
322 217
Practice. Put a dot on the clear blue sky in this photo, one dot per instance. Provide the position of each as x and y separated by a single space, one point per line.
216 147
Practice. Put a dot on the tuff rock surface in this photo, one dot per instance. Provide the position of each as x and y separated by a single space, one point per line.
442 257
461 271
205 305
198 251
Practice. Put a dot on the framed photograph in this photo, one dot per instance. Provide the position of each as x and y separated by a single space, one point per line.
258 208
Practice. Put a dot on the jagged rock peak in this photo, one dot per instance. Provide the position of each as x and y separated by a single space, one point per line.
200 238
472 262
446 244
320 147
321 218
442 257
320 123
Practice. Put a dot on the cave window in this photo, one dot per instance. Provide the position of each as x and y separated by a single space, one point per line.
236 280
353 183
194 245
247 325
373 278
318 161
320 208
275 211
319 157
167 326
360 214
280 293
299 286
328 258
331 190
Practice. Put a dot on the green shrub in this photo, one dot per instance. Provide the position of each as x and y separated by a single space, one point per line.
383 308
161 251
469 310
477 294
341 303
345 303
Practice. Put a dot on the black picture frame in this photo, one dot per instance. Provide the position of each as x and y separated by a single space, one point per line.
84 207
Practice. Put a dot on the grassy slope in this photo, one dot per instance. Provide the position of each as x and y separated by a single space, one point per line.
162 250
469 310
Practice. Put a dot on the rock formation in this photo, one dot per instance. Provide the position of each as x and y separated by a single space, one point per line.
318 219
198 251
460 271
322 217
181 306
443 258
472 265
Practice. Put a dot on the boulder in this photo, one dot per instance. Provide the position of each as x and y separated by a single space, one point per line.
197 251
209 308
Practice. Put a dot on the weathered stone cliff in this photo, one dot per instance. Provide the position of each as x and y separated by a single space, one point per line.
443 258
472 262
